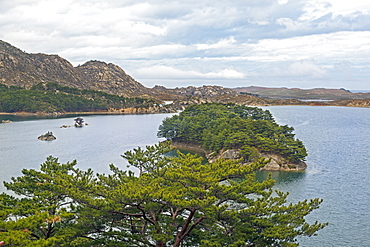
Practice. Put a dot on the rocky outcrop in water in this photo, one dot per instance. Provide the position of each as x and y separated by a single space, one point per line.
47 137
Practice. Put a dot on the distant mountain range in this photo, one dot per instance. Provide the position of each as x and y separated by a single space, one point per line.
302 94
18 68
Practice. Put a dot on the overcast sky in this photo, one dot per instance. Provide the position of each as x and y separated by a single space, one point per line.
274 43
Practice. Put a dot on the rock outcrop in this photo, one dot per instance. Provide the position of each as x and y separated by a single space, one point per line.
47 137
355 103
276 161
203 92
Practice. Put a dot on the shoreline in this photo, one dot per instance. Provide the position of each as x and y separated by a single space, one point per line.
138 113
273 165
56 114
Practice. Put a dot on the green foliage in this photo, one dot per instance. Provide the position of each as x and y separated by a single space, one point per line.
174 201
225 126
51 97
42 214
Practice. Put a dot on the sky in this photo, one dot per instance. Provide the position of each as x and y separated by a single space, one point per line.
270 43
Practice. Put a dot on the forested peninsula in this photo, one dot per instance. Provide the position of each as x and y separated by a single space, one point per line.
236 132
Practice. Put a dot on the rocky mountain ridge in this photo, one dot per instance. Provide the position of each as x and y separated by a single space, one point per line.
302 94
18 68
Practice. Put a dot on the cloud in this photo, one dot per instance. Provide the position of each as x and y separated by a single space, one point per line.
340 45
164 72
225 41
302 69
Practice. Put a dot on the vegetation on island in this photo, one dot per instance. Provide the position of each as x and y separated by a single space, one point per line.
172 201
216 126
51 97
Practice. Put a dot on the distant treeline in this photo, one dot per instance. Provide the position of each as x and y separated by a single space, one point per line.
51 97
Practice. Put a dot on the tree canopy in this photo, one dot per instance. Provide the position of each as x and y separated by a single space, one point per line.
228 126
172 201
51 97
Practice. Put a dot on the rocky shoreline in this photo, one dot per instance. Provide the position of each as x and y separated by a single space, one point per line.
112 112
276 163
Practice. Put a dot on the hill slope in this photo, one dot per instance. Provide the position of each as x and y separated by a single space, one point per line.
18 68
302 94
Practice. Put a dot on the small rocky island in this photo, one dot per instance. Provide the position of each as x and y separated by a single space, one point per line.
230 131
79 122
47 137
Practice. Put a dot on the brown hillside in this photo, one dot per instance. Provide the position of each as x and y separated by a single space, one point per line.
18 68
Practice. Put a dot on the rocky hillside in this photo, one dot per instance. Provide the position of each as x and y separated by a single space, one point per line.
202 92
18 68
302 94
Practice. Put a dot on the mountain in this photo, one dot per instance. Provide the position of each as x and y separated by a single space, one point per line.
18 68
302 94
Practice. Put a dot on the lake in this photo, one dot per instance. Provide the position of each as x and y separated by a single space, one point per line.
337 140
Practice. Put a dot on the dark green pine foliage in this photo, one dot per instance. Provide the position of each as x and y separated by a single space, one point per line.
40 214
51 97
223 126
172 201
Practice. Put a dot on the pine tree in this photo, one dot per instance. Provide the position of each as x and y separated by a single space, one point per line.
173 201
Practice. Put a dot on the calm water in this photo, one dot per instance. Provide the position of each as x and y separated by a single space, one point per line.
97 145
337 140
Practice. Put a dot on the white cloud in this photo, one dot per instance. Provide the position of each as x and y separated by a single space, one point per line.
164 72
283 1
302 69
341 45
224 43
349 8
315 9
193 40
